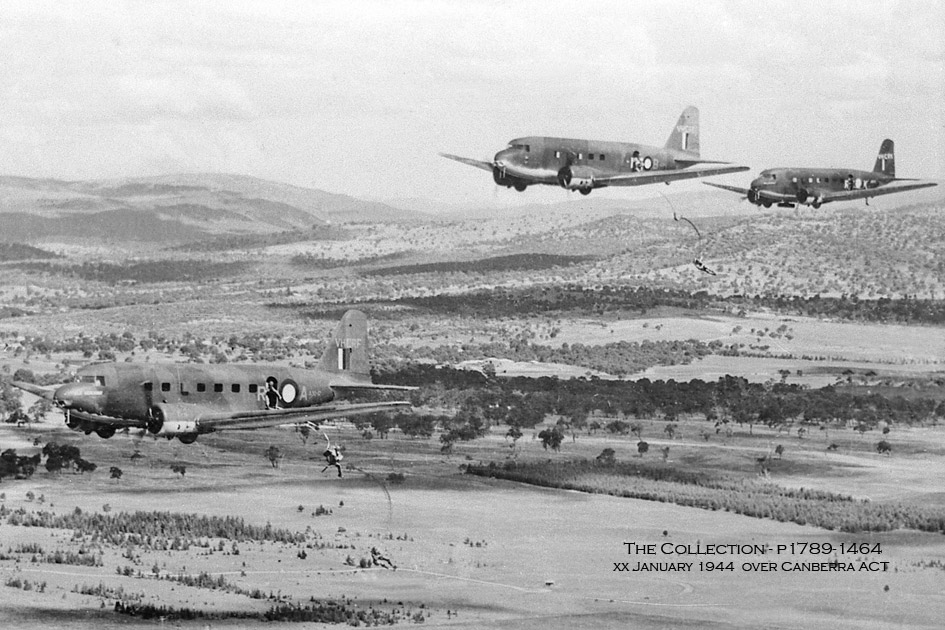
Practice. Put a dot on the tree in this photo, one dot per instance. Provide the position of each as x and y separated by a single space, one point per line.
642 448
515 434
114 473
273 454
551 438
38 410
304 432
670 430
10 400
883 448
607 457
180 469
85 466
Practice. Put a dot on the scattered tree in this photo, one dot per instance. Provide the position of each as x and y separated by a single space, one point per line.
607 457
273 454
551 438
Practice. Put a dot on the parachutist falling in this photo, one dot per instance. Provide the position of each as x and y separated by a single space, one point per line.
701 267
332 455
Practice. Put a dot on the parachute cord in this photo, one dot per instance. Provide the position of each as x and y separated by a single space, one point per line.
390 503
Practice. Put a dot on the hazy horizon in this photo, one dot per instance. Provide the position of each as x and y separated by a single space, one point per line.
358 98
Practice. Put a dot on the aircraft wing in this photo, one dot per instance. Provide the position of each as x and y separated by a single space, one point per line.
486 166
866 193
734 189
262 418
654 177
36 390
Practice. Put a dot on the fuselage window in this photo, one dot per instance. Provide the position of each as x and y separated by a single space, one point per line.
218 387
580 156
794 179
590 156
201 387
528 148
253 388
165 387
149 386
602 157
235 388
557 155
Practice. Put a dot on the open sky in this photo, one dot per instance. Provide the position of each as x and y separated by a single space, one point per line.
358 97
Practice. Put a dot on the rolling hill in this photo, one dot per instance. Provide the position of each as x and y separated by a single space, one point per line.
173 208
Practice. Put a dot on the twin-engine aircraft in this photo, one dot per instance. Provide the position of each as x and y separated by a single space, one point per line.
584 165
788 187
187 400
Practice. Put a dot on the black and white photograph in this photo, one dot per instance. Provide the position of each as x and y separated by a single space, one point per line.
472 314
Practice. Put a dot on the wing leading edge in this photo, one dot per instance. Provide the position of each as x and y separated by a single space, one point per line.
262 418
654 177
866 193
486 166
734 189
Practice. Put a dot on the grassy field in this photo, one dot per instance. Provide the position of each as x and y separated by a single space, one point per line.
493 553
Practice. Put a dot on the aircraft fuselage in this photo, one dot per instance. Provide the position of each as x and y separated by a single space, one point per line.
576 164
163 398
810 185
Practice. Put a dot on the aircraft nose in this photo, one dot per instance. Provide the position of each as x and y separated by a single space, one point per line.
81 396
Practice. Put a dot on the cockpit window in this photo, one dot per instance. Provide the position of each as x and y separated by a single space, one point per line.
527 147
93 378
769 177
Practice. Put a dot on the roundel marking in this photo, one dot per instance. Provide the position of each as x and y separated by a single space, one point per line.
647 163
289 391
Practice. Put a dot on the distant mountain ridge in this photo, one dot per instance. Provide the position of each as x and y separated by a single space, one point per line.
174 207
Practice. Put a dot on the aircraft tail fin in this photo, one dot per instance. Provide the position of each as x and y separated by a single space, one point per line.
886 159
347 349
685 135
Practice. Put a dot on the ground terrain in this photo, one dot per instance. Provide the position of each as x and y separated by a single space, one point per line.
234 269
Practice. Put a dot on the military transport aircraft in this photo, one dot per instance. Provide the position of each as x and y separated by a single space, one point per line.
788 187
587 164
186 400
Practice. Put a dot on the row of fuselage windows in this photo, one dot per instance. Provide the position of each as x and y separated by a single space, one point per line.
201 388
590 156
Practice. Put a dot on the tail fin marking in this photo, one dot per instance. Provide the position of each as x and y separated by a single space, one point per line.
347 349
685 135
886 159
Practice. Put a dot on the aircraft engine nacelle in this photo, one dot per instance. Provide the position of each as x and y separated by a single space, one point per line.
576 178
172 421
752 196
